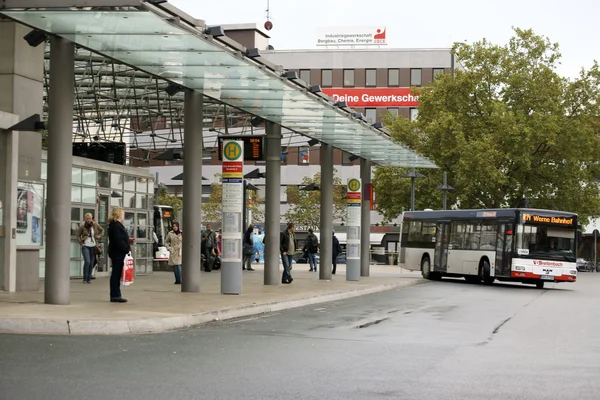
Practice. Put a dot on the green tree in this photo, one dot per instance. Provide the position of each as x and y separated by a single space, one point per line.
508 129
211 210
305 206
166 199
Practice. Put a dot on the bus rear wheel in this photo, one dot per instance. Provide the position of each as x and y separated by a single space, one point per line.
426 268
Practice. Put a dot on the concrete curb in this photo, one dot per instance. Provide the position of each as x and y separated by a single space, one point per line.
158 325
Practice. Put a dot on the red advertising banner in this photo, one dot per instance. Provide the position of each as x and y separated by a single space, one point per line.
374 97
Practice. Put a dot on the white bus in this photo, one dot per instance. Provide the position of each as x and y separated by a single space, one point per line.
521 245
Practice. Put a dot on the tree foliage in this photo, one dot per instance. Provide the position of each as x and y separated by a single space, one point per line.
211 210
166 199
305 206
508 130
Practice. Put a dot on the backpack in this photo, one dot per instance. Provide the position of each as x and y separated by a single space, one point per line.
313 243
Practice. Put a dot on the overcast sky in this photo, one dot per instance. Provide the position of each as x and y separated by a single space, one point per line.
420 24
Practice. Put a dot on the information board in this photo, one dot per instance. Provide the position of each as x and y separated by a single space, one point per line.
253 147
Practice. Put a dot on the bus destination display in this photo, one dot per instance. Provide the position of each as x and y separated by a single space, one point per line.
253 147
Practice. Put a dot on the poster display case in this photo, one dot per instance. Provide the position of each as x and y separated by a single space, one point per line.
30 218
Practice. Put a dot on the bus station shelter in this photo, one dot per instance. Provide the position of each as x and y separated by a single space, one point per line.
199 69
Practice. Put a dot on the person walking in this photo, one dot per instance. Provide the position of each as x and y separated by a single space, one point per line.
336 251
118 247
89 234
287 248
174 243
209 239
312 247
248 248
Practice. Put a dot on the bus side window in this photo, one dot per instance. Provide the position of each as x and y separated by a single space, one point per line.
472 236
428 232
414 231
457 235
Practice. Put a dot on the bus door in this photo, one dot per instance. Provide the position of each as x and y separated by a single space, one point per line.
442 241
503 246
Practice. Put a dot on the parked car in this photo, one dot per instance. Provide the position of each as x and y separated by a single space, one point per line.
584 265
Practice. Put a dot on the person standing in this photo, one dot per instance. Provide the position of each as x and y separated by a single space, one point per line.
118 247
312 247
174 243
336 251
89 234
287 248
209 239
248 248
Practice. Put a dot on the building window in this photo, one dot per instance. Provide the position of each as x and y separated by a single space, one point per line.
303 156
371 115
371 78
284 154
393 111
415 77
326 78
305 75
414 114
393 77
348 78
346 158
437 72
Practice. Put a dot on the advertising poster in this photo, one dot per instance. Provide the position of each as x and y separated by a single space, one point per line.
30 202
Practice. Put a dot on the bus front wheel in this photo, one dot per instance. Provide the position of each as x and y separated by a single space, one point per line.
484 273
425 268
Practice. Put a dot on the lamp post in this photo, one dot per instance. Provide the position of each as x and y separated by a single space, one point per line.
412 175
444 188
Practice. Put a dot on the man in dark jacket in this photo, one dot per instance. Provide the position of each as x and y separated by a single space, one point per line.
311 248
287 248
336 251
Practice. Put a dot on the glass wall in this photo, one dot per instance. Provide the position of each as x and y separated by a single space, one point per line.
97 191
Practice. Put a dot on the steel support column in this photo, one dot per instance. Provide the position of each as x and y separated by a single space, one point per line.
326 227
192 192
272 204
60 160
365 219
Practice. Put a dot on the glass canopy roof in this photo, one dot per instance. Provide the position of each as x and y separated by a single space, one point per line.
143 38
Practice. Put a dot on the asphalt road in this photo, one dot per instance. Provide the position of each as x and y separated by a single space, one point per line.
441 340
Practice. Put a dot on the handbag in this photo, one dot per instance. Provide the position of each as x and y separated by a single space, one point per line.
127 275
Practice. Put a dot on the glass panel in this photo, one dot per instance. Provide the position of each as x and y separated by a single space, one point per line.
414 114
140 266
150 250
128 223
371 115
117 201
142 219
282 194
90 211
151 186
150 201
116 181
76 268
326 78
44 170
75 214
393 111
42 269
415 77
129 200
371 77
144 40
141 250
305 75
74 228
142 232
348 78
103 209
76 175
88 177
103 179
43 251
140 201
142 185
75 250
393 77
88 195
437 72
346 158
130 183
75 194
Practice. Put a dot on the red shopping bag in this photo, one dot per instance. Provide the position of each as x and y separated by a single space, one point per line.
127 276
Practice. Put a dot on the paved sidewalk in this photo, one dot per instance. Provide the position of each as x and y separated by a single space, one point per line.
157 305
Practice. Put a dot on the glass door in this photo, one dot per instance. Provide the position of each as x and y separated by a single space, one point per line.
503 245
442 242
102 219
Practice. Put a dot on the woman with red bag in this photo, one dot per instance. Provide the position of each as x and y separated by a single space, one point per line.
118 247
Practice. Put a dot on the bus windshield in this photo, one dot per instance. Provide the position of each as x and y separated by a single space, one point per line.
550 243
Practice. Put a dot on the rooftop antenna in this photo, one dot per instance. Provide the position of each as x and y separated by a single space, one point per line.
268 24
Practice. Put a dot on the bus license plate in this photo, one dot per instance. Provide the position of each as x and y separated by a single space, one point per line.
547 277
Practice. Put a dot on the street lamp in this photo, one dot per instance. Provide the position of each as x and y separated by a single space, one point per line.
444 188
412 175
